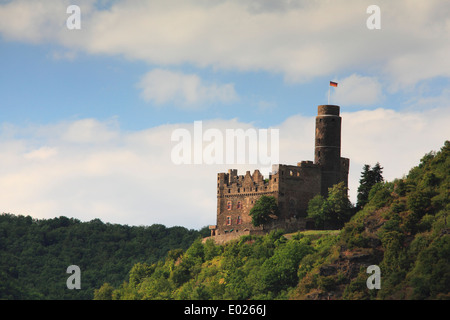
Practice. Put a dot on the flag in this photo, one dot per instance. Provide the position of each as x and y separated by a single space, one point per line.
333 84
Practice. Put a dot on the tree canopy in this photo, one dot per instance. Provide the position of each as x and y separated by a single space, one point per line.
264 210
35 253
332 212
369 177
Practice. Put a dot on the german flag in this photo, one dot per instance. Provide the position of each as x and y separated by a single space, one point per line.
333 84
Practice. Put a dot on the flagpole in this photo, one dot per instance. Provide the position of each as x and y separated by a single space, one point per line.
329 94
332 84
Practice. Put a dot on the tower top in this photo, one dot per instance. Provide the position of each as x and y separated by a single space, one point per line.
328 109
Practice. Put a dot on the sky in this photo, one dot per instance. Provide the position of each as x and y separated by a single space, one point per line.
87 115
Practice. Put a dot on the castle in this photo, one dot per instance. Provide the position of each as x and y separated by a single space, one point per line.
291 185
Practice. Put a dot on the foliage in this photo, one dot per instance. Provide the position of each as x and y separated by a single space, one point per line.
403 228
369 177
264 210
34 255
256 267
333 212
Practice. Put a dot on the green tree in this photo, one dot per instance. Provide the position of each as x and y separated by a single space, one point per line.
264 210
332 212
279 272
316 210
369 177
139 272
104 293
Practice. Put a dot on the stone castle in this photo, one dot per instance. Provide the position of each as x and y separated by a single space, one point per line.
291 185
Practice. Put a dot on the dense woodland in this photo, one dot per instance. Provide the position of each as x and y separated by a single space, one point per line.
403 226
35 254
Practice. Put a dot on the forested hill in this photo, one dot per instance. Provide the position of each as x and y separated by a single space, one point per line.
404 229
35 254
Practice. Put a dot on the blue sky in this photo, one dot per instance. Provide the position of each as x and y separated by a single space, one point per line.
87 115
43 89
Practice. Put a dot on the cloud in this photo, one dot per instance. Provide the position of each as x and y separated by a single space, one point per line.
356 90
129 177
42 153
299 39
188 90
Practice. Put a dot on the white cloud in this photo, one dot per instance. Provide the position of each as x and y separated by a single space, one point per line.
398 140
300 39
187 90
42 153
356 90
129 178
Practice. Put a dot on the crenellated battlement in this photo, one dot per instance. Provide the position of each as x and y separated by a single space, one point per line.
233 184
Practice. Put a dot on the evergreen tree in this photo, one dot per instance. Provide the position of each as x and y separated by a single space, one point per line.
377 173
369 177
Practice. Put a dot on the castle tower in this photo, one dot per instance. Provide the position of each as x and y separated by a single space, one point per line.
327 152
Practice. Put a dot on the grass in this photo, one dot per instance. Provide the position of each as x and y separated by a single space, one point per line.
313 234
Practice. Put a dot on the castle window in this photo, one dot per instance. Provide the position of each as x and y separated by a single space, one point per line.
229 205
229 190
228 221
274 180
239 189
291 173
256 189
239 220
239 206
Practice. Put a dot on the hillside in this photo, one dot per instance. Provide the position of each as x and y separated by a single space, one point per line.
404 229
35 254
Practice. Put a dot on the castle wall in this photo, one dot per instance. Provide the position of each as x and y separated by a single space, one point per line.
292 187
298 185
236 195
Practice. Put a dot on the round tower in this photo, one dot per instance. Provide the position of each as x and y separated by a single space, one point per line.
327 152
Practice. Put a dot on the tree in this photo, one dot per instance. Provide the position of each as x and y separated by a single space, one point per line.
105 292
139 272
264 210
316 210
332 212
369 177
